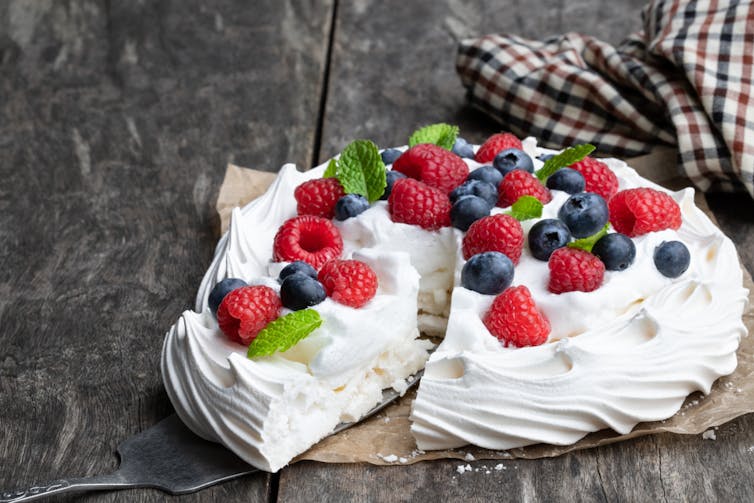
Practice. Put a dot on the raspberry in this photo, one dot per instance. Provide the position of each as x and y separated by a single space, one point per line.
495 144
573 269
599 178
413 202
433 165
348 282
500 232
312 239
634 212
245 311
514 319
318 197
519 183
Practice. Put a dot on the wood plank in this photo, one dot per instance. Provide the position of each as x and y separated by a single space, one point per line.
392 71
116 123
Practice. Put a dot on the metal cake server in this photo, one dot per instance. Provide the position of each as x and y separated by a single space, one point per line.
171 458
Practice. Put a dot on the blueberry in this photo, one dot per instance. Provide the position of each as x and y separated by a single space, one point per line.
467 210
513 158
461 148
300 291
478 188
568 180
584 213
221 289
544 157
350 205
392 177
298 266
617 251
546 236
486 174
389 155
489 273
672 258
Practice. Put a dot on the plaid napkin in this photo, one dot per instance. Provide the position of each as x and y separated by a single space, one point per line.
685 80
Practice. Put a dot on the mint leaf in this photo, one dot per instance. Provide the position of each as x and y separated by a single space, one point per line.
331 171
284 332
588 242
526 207
442 135
360 170
563 159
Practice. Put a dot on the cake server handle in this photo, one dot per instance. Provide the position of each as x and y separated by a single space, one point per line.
98 483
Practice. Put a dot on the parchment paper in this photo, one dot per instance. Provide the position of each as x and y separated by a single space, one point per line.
386 439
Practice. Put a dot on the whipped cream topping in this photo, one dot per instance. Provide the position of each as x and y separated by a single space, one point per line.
630 351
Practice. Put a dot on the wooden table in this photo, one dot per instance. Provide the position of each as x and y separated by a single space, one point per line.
116 122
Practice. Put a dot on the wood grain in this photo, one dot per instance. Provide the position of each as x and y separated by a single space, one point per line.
116 123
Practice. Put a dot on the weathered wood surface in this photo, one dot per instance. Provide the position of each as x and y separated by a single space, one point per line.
116 121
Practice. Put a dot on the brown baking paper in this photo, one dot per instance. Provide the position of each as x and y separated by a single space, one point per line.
386 439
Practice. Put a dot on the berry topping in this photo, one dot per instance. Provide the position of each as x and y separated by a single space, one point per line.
221 289
389 155
515 320
318 197
475 188
392 177
672 258
350 205
634 212
467 210
312 239
247 310
512 158
584 214
598 177
462 148
568 180
495 144
573 269
416 203
617 251
489 273
486 174
433 165
546 236
349 282
519 183
499 232
299 266
300 291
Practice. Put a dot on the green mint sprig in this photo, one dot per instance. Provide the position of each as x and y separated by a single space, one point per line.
526 208
359 170
588 242
563 159
442 135
284 332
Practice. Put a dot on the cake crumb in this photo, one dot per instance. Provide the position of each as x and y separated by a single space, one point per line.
751 448
387 420
390 458
402 460
499 467
463 468
709 435
469 457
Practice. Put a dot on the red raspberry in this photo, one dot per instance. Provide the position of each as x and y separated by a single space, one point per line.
495 144
349 282
416 203
599 178
634 212
245 311
573 269
318 197
433 165
514 319
499 232
312 239
519 183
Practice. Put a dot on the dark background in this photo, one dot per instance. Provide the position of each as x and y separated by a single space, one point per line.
117 120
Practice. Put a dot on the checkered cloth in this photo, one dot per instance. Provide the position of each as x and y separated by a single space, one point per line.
685 80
